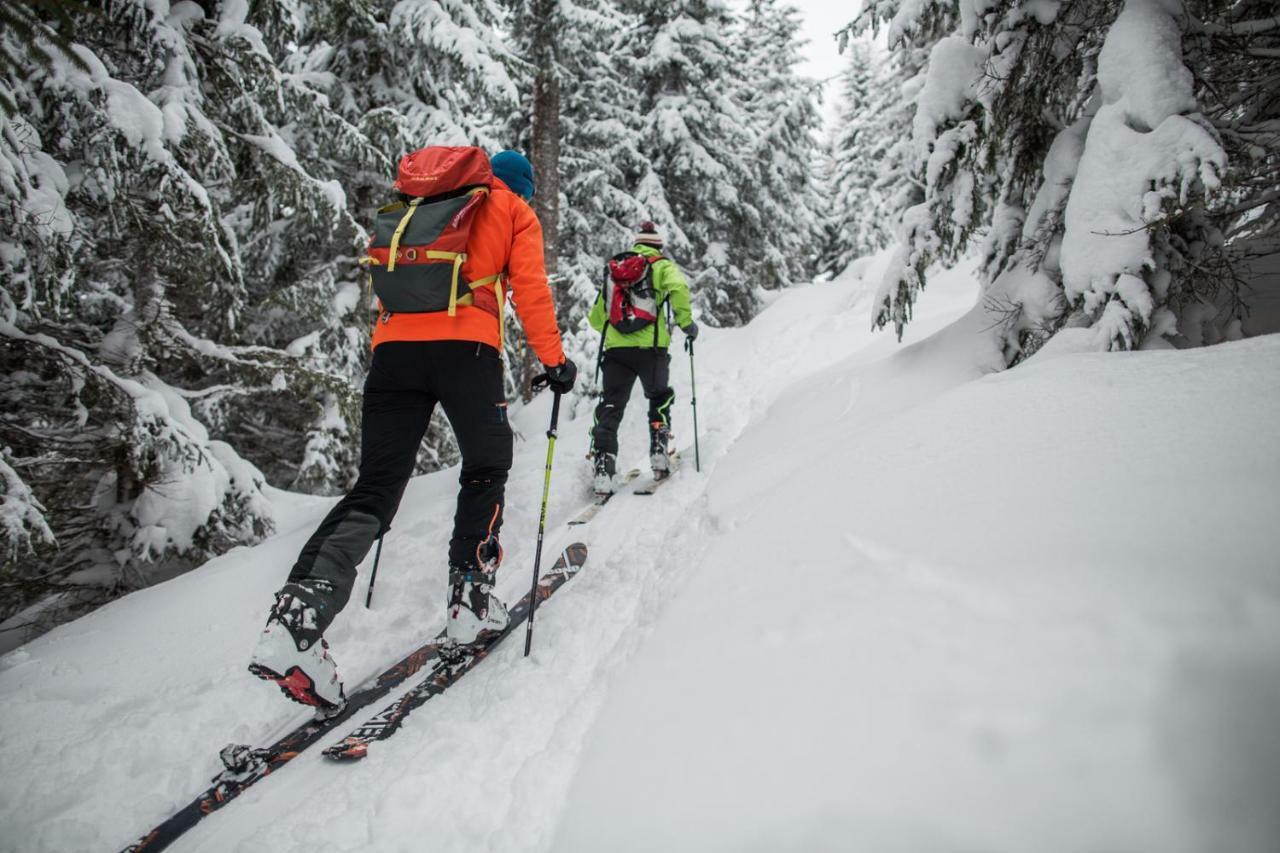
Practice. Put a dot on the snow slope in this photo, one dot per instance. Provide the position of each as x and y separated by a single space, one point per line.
1038 612
960 655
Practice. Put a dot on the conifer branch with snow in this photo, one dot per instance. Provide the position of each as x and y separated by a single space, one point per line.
1085 149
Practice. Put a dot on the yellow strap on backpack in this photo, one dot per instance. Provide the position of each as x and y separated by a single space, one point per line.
496 281
502 326
453 283
395 238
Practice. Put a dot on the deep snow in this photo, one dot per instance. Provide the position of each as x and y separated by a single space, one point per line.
907 605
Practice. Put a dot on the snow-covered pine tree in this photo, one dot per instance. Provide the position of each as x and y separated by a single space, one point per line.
540 31
106 213
870 157
1138 196
537 33
853 163
697 138
784 118
1025 113
898 78
598 153
296 241
640 107
177 281
1234 53
407 74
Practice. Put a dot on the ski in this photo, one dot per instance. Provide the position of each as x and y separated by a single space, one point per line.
453 664
652 486
600 500
244 764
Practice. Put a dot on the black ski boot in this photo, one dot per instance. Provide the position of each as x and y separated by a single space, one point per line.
659 450
606 466
473 608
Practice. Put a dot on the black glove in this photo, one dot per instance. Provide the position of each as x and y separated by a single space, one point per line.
559 378
691 331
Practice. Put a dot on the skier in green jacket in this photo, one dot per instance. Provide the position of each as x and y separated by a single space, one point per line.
641 287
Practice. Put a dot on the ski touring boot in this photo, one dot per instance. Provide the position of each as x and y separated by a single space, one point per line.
606 467
291 653
474 611
659 450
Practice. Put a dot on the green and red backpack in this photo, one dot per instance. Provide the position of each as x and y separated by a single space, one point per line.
629 296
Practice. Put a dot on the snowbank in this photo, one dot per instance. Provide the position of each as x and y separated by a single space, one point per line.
967 620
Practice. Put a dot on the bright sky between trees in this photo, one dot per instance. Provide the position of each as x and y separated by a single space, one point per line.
822 18
823 60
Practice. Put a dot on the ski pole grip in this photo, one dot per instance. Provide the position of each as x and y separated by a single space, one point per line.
555 415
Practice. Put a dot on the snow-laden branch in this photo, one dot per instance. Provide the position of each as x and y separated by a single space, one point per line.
22 521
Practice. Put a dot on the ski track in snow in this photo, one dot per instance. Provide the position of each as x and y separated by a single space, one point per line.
579 747
497 781
133 701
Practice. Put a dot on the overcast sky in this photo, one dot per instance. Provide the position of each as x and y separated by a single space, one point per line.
821 20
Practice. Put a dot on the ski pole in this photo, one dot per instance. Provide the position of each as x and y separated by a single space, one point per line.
600 355
542 522
693 399
373 575
604 327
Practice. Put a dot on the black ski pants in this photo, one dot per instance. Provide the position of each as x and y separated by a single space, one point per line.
405 382
621 368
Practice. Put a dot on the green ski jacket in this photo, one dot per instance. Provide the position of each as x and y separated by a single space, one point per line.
670 286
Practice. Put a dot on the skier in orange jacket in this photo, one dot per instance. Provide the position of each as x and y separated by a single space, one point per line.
450 356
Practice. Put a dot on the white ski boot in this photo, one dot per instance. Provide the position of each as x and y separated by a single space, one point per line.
291 653
474 611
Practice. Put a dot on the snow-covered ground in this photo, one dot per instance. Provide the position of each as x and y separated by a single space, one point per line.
908 604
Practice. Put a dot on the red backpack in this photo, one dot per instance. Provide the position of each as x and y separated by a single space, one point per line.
629 293
417 247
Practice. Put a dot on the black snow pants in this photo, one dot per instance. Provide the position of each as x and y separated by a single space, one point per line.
621 368
405 382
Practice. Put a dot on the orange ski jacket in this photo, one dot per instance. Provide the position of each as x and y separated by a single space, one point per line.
506 238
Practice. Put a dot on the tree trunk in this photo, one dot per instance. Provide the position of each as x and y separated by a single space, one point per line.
545 146
546 162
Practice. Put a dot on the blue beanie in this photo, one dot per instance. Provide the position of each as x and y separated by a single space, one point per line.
515 171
